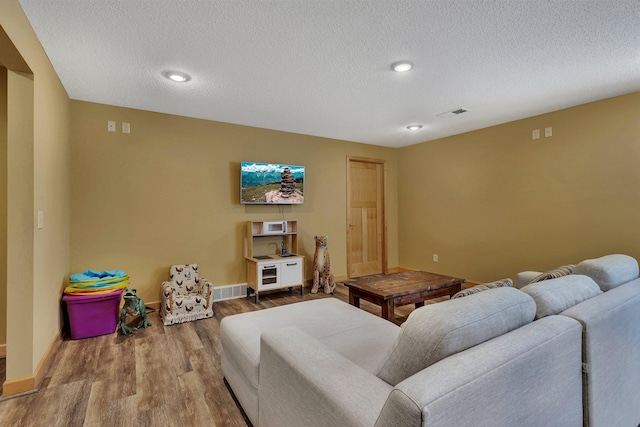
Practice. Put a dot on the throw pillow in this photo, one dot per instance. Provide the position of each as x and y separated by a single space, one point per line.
565 270
504 283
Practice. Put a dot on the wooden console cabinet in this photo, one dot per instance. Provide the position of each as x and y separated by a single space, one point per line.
268 267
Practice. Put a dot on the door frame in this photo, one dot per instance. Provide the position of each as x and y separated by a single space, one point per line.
383 219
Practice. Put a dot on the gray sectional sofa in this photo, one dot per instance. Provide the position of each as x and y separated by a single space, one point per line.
610 319
556 353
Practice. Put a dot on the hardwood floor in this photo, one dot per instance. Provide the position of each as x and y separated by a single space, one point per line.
167 376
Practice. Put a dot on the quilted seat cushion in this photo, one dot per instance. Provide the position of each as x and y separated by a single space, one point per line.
189 303
436 331
609 271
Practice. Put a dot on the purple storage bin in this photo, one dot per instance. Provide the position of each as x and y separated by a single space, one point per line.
90 316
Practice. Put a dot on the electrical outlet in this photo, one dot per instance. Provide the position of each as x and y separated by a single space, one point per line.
111 126
535 134
548 132
126 127
435 257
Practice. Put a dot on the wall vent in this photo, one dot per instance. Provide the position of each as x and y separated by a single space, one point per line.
221 293
455 112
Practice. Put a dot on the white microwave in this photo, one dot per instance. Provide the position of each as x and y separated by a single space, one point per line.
274 227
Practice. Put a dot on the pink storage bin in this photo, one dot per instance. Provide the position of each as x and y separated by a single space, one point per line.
91 316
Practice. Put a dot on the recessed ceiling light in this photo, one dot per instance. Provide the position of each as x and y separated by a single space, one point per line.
401 66
414 127
177 76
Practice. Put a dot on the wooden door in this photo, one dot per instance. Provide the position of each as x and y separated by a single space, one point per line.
366 231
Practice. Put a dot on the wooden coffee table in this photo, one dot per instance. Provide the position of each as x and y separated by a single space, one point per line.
396 289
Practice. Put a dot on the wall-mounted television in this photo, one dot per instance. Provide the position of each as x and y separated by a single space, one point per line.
271 183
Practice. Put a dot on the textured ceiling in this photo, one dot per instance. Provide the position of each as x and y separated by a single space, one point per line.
322 67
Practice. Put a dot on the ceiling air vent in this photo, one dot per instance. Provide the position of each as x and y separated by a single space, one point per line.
453 113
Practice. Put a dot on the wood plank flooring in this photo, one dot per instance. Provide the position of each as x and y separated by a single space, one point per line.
159 376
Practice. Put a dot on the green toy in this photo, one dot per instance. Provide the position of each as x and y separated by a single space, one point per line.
133 306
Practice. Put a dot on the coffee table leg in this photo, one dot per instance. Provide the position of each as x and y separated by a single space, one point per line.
353 300
388 310
455 290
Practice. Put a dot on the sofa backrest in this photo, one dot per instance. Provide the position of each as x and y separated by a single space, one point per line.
436 331
611 356
609 271
556 295
530 376
184 274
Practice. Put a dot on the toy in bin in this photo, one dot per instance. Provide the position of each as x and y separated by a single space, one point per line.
93 282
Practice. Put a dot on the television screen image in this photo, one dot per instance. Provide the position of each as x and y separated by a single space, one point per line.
271 183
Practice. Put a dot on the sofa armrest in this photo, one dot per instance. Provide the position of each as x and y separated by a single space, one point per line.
168 295
524 277
206 290
304 382
169 285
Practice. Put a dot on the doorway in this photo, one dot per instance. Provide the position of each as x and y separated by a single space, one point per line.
366 226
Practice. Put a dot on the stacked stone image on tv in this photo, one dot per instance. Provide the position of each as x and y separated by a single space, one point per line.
287 183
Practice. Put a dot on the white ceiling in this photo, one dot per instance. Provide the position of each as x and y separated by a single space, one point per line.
322 67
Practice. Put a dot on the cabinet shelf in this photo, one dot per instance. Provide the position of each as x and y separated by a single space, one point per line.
273 235
260 242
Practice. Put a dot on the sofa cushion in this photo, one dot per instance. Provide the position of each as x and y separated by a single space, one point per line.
565 270
504 283
354 333
436 331
556 295
609 271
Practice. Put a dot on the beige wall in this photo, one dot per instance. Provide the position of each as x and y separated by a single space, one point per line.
38 179
494 202
168 193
